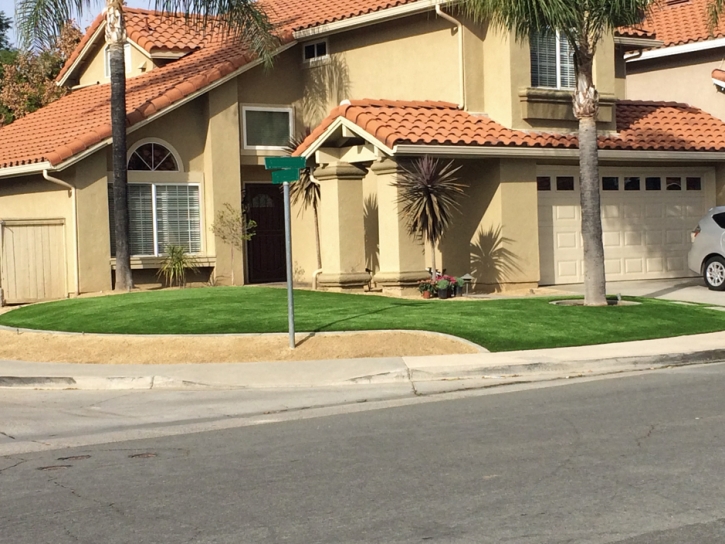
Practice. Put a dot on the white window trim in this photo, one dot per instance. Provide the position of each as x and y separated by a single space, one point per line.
559 86
286 109
167 145
153 185
126 59
316 60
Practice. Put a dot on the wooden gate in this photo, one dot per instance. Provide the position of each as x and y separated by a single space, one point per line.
266 249
32 260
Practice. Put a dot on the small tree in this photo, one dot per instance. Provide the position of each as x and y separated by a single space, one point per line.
427 192
306 192
232 227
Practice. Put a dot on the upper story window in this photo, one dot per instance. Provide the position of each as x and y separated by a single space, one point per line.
315 51
267 127
126 57
552 61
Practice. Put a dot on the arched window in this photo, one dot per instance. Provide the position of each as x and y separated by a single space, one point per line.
153 157
162 211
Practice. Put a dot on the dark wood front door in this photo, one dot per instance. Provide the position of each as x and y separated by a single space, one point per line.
266 251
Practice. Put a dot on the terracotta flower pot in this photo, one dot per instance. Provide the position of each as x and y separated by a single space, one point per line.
425 294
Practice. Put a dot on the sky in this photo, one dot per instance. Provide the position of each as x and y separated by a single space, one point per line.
8 6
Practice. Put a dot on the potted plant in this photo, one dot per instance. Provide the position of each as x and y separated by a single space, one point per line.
443 286
427 288
460 282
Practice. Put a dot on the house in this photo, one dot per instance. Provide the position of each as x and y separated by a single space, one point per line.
687 65
377 83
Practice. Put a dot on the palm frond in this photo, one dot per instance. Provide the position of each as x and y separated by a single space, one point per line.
428 193
39 22
579 20
244 20
714 13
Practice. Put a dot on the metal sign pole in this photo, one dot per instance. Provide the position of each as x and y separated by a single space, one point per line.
288 247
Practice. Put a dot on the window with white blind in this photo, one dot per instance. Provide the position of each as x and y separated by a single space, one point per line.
552 61
160 214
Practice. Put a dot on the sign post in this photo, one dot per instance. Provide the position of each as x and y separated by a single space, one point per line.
286 170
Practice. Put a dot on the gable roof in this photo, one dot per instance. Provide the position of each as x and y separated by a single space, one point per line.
81 119
641 126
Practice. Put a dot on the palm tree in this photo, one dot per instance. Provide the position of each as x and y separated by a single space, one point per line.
583 22
427 192
40 22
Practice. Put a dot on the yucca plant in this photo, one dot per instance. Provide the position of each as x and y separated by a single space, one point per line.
175 265
427 193
306 191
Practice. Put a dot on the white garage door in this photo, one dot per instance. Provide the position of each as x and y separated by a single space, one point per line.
646 222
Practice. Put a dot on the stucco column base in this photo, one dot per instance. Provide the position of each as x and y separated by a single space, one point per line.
400 279
344 281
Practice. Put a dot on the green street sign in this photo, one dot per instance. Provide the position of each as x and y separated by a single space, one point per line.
285 163
282 176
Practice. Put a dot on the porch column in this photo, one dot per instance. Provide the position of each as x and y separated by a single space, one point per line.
402 258
342 227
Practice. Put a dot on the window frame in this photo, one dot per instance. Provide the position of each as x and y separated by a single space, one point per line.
154 214
126 58
287 109
559 70
140 143
316 59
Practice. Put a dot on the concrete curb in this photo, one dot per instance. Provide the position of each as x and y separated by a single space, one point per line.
385 371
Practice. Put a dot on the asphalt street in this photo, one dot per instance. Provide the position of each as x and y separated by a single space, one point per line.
636 460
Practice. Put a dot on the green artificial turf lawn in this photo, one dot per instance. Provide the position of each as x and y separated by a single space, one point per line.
499 325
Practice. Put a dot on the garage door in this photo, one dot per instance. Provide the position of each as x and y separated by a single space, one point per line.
646 222
32 261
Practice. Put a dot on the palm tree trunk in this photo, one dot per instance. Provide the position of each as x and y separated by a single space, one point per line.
116 39
586 107
317 239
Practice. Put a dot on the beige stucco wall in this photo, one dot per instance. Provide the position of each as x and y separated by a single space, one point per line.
32 197
681 78
494 237
94 68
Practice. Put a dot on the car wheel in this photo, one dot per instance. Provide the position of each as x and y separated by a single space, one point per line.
715 274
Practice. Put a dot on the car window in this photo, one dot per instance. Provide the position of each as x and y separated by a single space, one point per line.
719 218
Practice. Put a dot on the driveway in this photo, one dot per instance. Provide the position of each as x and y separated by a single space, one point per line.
683 289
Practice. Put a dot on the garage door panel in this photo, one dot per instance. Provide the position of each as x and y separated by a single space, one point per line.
33 261
646 233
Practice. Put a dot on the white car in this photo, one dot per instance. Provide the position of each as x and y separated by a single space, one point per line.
707 254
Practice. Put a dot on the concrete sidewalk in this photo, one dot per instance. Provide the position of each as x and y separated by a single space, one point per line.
459 371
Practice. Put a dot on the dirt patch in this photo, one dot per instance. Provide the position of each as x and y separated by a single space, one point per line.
94 349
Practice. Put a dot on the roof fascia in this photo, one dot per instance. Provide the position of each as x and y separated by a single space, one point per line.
640 43
677 50
82 155
369 19
25 169
558 153
344 122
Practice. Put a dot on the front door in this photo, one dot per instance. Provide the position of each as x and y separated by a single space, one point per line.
266 250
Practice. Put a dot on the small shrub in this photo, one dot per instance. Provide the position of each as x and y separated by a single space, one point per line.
174 266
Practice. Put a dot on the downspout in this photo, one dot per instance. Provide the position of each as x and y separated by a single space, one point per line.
72 194
314 278
461 66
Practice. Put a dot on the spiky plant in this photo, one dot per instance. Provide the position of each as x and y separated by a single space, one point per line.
306 191
175 265
427 193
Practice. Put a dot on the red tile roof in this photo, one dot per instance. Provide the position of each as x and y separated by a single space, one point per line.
82 119
650 126
680 22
